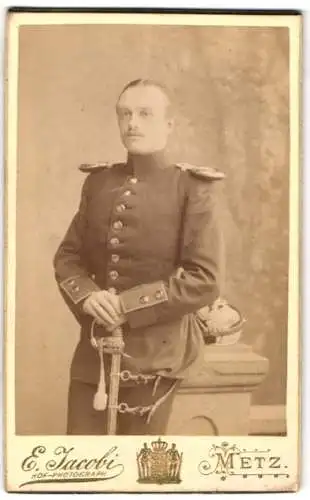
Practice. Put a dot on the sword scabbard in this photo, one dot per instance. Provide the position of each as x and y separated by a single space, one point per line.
114 385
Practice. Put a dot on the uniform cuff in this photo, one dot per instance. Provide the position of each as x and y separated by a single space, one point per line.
78 287
139 303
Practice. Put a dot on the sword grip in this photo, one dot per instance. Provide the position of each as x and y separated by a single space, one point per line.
117 332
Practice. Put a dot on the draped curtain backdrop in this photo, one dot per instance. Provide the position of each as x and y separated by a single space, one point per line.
230 88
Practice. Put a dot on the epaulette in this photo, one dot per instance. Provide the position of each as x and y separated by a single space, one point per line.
208 173
89 168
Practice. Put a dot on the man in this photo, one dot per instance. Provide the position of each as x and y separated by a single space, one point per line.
141 252
144 462
174 459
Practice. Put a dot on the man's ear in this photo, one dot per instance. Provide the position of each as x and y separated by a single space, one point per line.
170 124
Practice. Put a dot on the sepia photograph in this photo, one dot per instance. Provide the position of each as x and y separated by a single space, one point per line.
152 222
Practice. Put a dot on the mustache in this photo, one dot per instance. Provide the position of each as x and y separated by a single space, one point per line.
134 134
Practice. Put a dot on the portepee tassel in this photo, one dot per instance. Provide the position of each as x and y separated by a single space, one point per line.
101 398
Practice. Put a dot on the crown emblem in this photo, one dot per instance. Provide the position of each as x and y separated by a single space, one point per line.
158 463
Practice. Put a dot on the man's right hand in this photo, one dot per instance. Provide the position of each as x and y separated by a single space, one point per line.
99 307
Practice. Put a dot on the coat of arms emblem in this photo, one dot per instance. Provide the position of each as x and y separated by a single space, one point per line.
159 464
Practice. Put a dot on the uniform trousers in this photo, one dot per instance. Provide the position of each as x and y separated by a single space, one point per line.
83 419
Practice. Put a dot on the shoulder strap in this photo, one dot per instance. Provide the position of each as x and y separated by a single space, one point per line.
207 173
90 168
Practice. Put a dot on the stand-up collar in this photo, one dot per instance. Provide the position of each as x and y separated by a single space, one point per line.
144 165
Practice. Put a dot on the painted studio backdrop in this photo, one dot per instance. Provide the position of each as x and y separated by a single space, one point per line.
231 91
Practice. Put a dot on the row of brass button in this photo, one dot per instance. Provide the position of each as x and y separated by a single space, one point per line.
117 225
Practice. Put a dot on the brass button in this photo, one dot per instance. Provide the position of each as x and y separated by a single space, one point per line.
133 180
93 276
112 290
113 275
159 295
114 241
127 193
120 208
114 258
144 299
117 224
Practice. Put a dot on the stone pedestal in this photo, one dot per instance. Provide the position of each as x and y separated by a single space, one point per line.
217 400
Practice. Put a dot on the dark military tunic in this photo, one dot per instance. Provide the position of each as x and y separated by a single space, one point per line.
138 223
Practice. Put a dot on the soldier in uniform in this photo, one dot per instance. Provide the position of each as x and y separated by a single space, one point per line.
138 224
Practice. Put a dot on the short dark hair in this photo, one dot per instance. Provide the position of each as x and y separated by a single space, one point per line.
147 82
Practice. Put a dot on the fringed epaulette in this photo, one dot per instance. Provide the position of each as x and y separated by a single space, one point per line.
207 173
90 168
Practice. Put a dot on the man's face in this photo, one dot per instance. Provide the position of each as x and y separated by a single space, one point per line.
143 119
